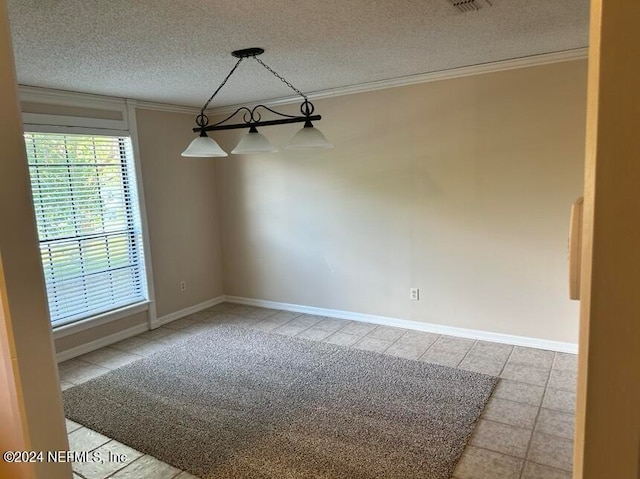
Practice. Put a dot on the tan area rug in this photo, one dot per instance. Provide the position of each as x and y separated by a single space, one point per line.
238 403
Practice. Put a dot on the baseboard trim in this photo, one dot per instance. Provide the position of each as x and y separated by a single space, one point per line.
332 313
101 342
127 333
186 311
415 325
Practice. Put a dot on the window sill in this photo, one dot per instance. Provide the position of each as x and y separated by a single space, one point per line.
99 320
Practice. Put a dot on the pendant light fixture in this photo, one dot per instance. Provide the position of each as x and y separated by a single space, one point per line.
253 142
308 137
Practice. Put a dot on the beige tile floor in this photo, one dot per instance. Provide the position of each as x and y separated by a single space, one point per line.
525 432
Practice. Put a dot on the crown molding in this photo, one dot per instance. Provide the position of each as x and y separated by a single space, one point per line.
49 96
87 100
150 105
503 65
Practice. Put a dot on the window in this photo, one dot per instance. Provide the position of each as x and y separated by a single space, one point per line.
86 206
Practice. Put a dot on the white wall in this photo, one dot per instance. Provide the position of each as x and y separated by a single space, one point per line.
182 214
460 187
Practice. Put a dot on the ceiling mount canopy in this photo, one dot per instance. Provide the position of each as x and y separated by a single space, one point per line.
308 137
247 52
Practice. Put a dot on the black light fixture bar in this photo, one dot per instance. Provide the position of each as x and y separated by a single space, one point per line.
252 118
284 121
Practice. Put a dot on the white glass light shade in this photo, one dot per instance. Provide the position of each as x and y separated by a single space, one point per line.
308 138
204 147
253 142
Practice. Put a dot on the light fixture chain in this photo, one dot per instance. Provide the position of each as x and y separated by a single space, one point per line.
280 77
221 85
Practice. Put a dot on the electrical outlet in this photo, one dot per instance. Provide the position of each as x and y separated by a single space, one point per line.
415 294
183 285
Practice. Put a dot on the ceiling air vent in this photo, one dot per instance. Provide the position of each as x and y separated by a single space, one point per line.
469 5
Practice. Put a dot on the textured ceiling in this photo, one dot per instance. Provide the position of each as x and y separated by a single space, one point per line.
178 51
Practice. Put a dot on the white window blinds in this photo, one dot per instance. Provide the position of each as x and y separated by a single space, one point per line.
86 206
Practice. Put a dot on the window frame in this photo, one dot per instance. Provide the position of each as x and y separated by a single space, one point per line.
84 301
127 127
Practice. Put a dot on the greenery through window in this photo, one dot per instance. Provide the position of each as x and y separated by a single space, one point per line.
86 206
